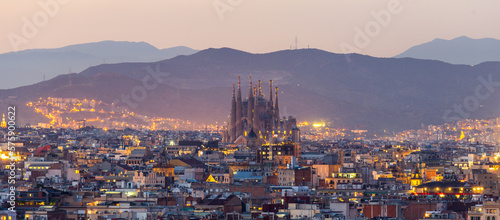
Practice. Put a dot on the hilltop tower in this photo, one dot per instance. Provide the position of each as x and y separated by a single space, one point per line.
270 111
256 115
3 124
250 106
260 88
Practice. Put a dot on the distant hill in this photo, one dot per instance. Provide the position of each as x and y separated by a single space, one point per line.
31 66
461 50
389 94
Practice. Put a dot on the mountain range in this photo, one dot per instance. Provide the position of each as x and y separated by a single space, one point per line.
32 66
461 50
390 94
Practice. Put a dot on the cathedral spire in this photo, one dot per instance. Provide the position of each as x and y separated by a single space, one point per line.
260 88
250 85
270 110
239 111
276 107
250 105
271 95
232 125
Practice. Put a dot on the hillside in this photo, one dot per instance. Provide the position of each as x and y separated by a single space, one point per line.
383 93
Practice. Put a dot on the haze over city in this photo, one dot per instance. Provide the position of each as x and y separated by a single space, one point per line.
256 26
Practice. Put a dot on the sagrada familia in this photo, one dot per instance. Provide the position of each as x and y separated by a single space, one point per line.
258 117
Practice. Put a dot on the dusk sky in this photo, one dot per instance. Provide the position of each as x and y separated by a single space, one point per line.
256 26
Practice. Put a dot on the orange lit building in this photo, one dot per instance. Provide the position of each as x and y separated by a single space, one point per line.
452 190
272 152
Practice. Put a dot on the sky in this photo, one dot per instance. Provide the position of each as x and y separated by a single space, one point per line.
382 28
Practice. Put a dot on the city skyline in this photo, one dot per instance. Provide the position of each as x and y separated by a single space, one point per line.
257 110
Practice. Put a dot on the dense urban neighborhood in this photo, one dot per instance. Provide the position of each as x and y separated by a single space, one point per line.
93 173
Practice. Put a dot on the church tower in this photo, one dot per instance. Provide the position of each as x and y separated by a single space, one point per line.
250 106
239 111
256 115
416 179
232 121
270 105
277 112
260 88
259 115
271 123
